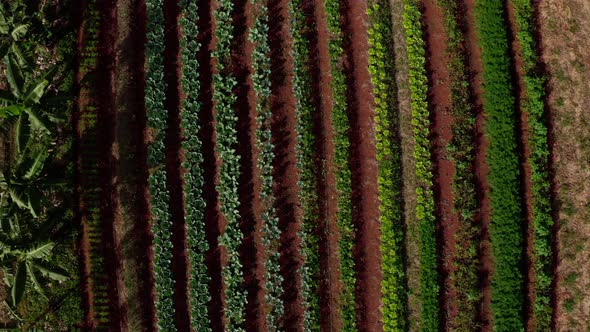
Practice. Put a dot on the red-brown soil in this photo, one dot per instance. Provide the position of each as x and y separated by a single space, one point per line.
526 170
80 212
107 165
441 131
251 251
327 227
136 237
363 165
285 173
481 168
215 222
174 158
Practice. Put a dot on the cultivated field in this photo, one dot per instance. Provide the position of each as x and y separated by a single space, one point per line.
310 165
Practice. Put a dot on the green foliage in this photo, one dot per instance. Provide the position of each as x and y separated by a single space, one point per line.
507 284
425 201
199 294
231 239
533 106
462 151
159 196
306 165
389 158
258 34
343 175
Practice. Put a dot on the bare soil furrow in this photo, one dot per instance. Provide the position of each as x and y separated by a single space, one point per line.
252 251
481 168
286 175
363 165
440 103
174 158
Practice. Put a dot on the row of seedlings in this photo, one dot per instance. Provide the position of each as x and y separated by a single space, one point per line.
98 308
532 105
389 159
418 85
461 151
192 165
506 219
305 163
226 124
341 127
270 228
157 116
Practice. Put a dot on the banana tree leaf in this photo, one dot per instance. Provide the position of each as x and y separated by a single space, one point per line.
19 197
41 251
36 92
14 76
24 60
37 120
19 31
6 98
23 133
55 273
11 111
19 284
36 285
36 166
35 202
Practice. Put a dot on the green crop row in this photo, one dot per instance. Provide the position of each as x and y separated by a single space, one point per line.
506 217
382 70
306 165
198 281
533 106
159 196
271 233
343 175
461 151
418 85
231 239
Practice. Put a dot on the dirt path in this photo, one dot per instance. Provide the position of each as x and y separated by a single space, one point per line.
252 251
481 168
136 238
526 170
363 165
440 104
327 227
215 222
565 52
412 261
285 173
107 166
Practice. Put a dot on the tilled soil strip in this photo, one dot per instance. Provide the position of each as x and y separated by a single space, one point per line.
83 244
174 158
441 130
481 168
363 165
215 222
327 227
136 238
108 160
284 136
251 251
526 170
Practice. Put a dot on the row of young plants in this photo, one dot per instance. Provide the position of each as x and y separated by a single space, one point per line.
461 151
224 99
159 196
88 167
506 219
305 163
381 67
341 127
418 85
271 233
198 289
533 106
